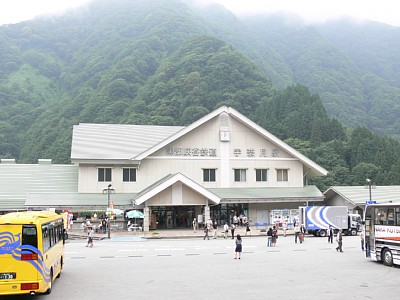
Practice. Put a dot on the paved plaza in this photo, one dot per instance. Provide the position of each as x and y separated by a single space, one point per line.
193 268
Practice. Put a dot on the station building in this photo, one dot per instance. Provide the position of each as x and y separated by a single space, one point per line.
222 165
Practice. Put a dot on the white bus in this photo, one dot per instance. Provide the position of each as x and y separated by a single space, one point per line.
382 233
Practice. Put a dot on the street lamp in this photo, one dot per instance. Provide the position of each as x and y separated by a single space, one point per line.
369 183
108 191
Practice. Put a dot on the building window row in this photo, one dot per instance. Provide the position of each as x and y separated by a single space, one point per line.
209 175
105 175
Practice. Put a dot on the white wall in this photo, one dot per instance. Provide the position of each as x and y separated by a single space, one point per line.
206 136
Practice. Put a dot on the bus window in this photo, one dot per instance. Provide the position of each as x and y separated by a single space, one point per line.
398 216
390 216
29 235
380 216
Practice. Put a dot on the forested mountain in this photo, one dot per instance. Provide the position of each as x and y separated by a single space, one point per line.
167 62
354 67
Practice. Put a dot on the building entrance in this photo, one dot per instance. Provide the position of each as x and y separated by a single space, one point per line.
168 217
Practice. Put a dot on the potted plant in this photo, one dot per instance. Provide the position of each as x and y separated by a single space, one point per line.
155 235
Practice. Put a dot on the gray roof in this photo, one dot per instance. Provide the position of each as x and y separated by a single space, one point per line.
116 141
77 201
358 195
271 194
17 180
93 142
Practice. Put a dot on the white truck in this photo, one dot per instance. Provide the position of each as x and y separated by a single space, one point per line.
317 219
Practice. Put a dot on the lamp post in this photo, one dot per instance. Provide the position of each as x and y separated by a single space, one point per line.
108 191
369 182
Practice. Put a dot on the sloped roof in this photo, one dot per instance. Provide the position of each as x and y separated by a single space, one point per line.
136 142
169 180
314 168
77 201
358 195
116 141
270 194
17 180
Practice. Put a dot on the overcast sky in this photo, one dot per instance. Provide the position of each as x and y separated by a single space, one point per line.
386 11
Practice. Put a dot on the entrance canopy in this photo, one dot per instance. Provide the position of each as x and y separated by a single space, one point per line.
175 189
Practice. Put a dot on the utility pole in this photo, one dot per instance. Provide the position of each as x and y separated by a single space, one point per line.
108 191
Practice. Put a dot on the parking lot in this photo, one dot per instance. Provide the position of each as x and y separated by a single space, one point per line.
205 269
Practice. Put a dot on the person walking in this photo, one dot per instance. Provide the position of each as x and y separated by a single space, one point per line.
226 230
90 237
330 234
104 225
233 230
269 237
206 230
194 224
339 240
238 249
284 227
274 236
296 232
302 233
248 228
215 228
362 239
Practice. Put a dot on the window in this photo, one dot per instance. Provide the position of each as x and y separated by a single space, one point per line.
390 218
29 235
261 174
209 175
281 175
240 174
104 174
380 216
129 175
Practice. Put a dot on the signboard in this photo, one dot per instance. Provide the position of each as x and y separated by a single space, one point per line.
370 202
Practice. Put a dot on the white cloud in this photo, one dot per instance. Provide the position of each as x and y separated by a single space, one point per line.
386 11
14 11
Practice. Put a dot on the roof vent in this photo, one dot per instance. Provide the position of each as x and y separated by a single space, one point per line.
42 161
223 119
8 160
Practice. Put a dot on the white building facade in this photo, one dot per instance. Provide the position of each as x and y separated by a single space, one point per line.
220 166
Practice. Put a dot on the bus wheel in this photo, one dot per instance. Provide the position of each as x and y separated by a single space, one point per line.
322 233
387 258
61 266
51 283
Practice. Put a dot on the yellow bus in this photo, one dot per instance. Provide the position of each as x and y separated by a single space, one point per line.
31 252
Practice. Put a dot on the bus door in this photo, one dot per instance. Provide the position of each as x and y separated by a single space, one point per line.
18 254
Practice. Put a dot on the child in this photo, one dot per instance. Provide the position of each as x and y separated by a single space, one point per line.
90 237
238 249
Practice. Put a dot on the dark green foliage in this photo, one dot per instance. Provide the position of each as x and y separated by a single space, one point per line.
295 113
164 62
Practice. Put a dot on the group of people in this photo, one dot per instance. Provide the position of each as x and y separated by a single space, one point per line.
213 226
339 238
208 226
299 232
